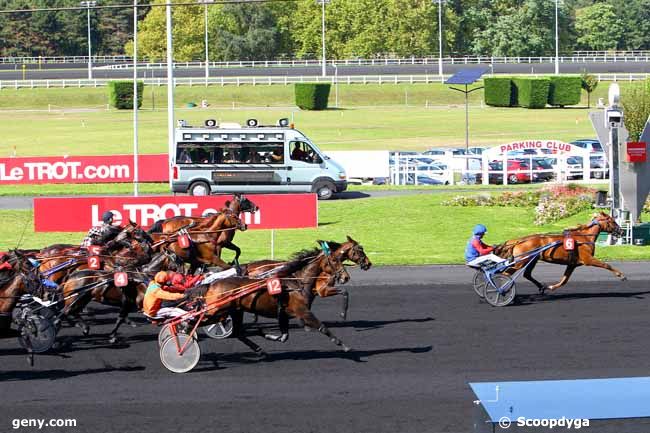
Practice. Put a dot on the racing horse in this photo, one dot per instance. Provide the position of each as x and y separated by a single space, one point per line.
584 238
208 235
350 250
58 261
297 278
86 285
14 274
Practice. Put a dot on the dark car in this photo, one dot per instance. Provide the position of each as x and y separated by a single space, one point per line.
543 170
517 172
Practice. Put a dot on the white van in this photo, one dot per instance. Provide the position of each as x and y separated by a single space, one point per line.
262 159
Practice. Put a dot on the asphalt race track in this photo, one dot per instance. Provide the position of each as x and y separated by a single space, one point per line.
419 335
80 71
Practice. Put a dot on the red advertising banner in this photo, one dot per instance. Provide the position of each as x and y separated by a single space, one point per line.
276 211
637 152
83 169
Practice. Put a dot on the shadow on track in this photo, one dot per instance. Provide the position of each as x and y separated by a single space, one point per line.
302 355
25 375
521 300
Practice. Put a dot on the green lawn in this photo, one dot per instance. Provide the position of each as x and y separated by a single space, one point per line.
373 117
414 230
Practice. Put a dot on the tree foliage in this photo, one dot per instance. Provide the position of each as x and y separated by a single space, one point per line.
598 27
636 103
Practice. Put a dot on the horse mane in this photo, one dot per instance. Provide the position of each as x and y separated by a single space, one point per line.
305 254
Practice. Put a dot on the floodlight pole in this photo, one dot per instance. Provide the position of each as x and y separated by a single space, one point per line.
205 22
170 90
557 40
466 92
324 65
135 98
440 39
88 5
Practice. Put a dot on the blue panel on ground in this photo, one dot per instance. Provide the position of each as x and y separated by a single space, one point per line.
574 399
466 76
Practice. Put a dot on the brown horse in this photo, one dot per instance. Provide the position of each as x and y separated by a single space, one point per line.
14 282
297 277
584 237
350 250
209 235
86 285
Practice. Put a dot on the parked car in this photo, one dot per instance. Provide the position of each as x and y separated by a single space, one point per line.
543 170
590 144
517 172
476 150
574 167
436 170
600 165
445 152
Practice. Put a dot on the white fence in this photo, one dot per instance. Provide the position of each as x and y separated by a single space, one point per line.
577 57
270 80
410 169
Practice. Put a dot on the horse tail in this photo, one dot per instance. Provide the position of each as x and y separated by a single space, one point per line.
157 227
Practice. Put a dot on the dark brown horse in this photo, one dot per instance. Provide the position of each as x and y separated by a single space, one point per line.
209 235
297 277
350 250
86 285
584 238
15 279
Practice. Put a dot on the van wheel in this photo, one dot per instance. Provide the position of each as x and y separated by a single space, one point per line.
324 189
199 189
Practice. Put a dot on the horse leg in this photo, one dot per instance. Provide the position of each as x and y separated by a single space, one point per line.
121 318
237 251
325 292
283 322
312 321
238 331
528 274
565 278
592 261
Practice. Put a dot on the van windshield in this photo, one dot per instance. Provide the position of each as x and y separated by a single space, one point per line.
230 153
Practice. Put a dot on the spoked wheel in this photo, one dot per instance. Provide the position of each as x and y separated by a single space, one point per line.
166 332
175 361
502 293
219 330
479 283
36 333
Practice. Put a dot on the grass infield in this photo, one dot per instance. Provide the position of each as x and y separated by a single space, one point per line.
402 230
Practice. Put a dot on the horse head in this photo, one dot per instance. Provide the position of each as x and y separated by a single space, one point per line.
240 204
607 224
356 254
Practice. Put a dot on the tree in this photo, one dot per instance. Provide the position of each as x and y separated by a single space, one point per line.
636 103
598 27
589 83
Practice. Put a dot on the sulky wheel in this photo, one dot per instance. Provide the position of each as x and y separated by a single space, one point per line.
164 334
479 283
219 330
180 362
36 333
502 292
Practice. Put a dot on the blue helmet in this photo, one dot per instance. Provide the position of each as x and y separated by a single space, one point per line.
479 229
107 217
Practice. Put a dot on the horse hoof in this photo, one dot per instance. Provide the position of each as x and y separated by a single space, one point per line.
345 348
343 316
112 340
307 328
85 331
623 278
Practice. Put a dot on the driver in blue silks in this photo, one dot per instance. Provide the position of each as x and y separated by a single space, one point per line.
477 252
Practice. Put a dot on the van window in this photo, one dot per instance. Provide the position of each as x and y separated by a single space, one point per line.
301 151
230 153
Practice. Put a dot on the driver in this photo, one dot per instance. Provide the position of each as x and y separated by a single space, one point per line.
99 235
477 252
298 154
155 295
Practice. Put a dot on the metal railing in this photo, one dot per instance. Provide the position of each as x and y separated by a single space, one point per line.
126 61
270 80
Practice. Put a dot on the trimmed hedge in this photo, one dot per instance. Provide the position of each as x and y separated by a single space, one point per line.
312 96
532 92
498 92
120 94
565 90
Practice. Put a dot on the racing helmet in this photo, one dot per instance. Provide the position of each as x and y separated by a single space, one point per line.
479 229
161 277
107 217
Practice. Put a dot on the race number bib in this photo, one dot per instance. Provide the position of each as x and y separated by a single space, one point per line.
569 244
121 279
94 250
184 241
273 286
94 262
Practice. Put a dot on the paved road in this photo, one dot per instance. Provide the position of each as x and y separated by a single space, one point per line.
79 71
419 336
